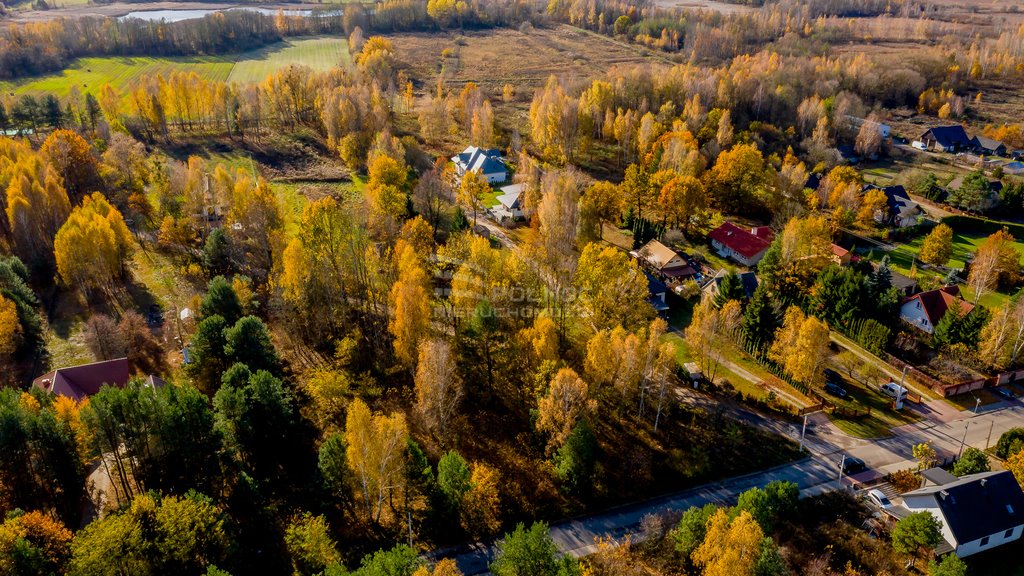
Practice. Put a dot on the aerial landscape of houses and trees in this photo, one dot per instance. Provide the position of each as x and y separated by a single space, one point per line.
512 287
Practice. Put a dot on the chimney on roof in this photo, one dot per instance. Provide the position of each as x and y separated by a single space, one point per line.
943 494
983 482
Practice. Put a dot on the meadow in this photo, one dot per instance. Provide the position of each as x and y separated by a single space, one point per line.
904 257
89 74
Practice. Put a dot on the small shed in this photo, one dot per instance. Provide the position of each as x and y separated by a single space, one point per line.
694 372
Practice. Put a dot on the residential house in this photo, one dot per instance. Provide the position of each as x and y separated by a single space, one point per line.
883 129
748 280
841 256
989 200
978 512
924 310
664 262
486 162
848 154
905 284
744 246
900 211
657 291
946 138
80 382
988 146
510 203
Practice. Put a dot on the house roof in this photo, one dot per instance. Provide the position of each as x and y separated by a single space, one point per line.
978 505
746 243
481 160
79 382
938 476
949 136
839 251
748 280
657 290
657 254
511 196
898 201
987 143
936 303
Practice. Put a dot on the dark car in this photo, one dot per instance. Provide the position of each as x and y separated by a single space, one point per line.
853 465
836 390
832 376
1006 393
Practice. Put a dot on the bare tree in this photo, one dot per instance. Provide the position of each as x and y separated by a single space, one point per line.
439 389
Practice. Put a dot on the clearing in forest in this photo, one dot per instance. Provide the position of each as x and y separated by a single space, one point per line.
319 53
89 74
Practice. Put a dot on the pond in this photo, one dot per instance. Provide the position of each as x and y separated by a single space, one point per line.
179 15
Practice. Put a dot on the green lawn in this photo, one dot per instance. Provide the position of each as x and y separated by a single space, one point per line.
903 257
318 53
89 74
121 72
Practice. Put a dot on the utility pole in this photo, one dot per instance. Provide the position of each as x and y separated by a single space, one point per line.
989 439
963 440
839 478
977 404
803 431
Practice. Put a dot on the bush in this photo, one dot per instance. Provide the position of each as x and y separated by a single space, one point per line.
904 481
1011 442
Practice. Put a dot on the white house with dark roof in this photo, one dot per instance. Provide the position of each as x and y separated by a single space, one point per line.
510 203
487 162
978 512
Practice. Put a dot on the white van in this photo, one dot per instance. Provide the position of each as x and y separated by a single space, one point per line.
919 145
894 390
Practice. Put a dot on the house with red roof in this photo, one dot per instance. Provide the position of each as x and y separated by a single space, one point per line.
925 309
80 382
744 246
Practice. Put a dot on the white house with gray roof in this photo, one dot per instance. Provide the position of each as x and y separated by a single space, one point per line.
487 162
978 512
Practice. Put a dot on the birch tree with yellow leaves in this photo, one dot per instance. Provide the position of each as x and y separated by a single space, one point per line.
376 445
410 305
91 247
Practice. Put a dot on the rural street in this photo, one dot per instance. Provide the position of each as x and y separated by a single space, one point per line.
813 475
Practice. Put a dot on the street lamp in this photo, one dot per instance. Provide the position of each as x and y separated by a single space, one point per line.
977 403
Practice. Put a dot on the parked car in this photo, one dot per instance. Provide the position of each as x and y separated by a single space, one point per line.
832 376
878 499
893 390
836 390
1006 393
853 465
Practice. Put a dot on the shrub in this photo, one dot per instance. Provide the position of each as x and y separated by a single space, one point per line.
1011 442
904 481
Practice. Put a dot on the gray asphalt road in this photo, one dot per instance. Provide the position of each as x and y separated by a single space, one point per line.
814 474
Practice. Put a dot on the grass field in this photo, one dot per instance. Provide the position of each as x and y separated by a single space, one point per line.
902 258
318 53
89 74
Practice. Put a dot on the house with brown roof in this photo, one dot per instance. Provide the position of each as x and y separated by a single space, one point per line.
664 262
924 310
80 382
841 256
744 246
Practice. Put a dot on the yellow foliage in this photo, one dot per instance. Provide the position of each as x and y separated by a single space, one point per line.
410 304
10 327
563 406
731 547
92 245
376 454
